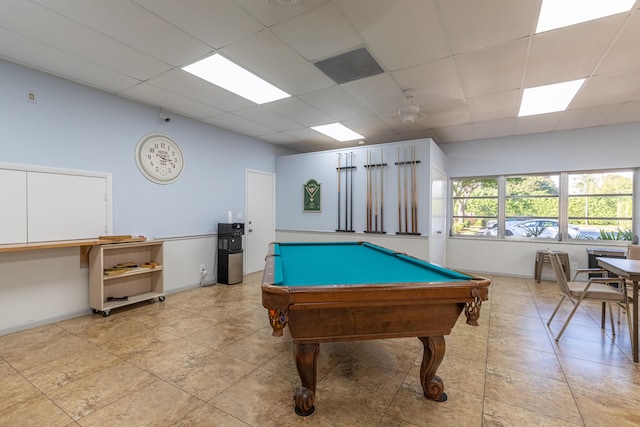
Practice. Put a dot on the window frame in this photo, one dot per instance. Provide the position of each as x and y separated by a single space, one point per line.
563 205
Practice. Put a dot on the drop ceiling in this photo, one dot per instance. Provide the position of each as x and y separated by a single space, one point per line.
468 61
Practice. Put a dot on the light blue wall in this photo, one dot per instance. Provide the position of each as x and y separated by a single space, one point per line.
76 127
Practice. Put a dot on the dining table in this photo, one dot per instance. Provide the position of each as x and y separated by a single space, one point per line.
628 269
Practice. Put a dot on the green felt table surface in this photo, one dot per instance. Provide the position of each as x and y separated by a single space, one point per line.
352 263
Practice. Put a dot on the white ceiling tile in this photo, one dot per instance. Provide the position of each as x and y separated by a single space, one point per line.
36 55
379 93
605 89
569 53
466 59
271 12
393 121
325 23
86 43
392 30
268 118
133 26
454 134
271 59
279 138
618 57
586 117
190 86
238 124
218 23
537 124
336 102
450 113
299 112
494 106
310 135
417 134
169 101
494 128
471 25
492 70
435 82
371 125
629 112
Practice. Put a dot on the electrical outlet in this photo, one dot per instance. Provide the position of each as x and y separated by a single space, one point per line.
202 268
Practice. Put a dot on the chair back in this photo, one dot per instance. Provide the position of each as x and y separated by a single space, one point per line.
559 272
633 252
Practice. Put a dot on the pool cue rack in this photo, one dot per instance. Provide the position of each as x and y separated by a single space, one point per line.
407 191
347 214
375 194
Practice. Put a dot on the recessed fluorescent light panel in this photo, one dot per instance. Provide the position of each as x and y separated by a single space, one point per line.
338 132
220 71
562 13
549 98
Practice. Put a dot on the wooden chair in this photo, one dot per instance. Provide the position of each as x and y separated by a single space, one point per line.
597 288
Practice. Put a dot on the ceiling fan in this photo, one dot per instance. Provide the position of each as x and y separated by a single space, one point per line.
409 113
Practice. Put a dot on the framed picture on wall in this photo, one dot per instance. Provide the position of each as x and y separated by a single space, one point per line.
312 196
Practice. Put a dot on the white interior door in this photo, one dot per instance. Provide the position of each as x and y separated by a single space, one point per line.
437 240
260 228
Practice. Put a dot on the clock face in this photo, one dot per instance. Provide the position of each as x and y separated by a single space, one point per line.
159 158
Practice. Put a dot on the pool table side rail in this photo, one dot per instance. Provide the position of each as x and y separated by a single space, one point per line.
281 300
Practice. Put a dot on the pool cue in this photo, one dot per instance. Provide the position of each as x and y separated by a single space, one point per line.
351 199
381 191
406 207
414 208
416 190
399 195
339 156
346 191
375 197
368 191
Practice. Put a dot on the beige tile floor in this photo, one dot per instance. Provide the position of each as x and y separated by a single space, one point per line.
206 357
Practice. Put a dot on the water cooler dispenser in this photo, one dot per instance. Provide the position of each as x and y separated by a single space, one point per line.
230 252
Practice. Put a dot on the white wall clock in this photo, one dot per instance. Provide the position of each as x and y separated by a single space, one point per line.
159 158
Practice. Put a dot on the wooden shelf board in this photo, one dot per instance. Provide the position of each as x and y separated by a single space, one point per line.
109 305
132 272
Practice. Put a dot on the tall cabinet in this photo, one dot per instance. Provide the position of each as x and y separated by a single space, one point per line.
111 286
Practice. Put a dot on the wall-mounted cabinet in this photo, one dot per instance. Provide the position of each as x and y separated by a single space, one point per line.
48 204
141 278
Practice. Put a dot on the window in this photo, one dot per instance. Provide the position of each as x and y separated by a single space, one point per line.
580 206
475 205
532 206
601 204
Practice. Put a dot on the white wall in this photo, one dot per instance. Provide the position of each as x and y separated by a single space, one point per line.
42 286
604 147
295 170
416 246
607 147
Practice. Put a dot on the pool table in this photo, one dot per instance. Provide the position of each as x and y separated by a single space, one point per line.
327 292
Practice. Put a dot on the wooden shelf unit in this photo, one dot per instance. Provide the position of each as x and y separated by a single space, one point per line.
138 284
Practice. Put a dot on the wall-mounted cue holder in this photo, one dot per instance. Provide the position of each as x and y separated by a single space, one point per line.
375 191
407 168
346 169
375 195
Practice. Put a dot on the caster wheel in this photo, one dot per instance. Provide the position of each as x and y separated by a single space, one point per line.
95 311
161 299
106 313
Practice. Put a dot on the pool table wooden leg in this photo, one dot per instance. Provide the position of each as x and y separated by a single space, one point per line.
433 354
306 357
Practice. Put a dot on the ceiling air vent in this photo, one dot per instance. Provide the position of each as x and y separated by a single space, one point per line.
350 66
